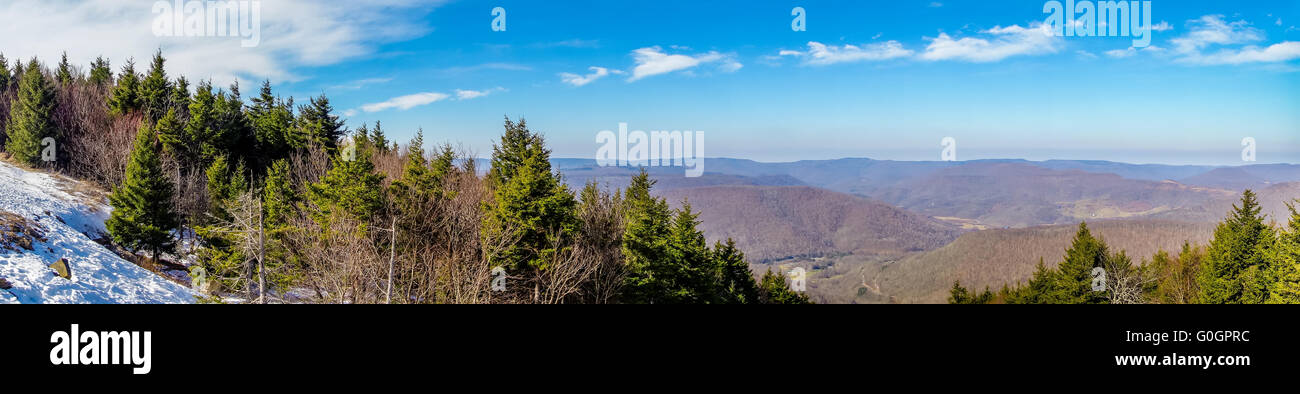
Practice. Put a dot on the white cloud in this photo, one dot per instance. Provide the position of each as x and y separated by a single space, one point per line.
294 34
580 80
1279 52
1162 26
935 4
819 54
1006 42
651 61
1085 54
360 83
1212 30
1121 53
1279 22
406 102
473 94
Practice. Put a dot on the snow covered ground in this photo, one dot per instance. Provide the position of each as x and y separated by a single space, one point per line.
65 219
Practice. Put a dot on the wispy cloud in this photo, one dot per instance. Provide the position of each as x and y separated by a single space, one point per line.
651 61
581 80
1003 42
295 34
473 94
819 54
360 83
406 102
1211 31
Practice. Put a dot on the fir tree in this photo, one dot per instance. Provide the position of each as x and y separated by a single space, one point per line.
351 188
1074 274
272 121
735 279
155 91
126 95
4 73
773 289
691 272
101 73
1234 267
171 133
64 73
319 123
279 203
180 98
31 117
142 217
529 203
1284 258
645 242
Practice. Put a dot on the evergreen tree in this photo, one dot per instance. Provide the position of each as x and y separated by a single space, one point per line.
126 95
155 91
351 188
1234 268
101 73
31 117
171 133
378 140
735 279
645 242
233 132
529 203
201 125
691 271
220 257
1074 274
1284 258
773 289
143 218
279 203
4 74
319 123
272 121
180 98
64 73
959 295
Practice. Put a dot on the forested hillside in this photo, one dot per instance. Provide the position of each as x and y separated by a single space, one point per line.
269 199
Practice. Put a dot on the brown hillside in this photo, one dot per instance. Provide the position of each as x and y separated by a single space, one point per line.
772 223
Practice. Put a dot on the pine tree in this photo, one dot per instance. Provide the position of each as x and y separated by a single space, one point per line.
735 279
201 126
691 272
31 117
126 95
773 289
180 98
529 203
4 74
101 73
1234 267
233 132
272 121
645 242
171 133
64 73
143 218
378 140
279 203
1074 274
155 91
1284 258
320 124
351 188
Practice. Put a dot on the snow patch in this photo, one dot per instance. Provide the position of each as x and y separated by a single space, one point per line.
69 224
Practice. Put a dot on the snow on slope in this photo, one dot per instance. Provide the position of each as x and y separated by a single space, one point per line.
98 275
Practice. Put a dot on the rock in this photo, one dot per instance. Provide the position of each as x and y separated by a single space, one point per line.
5 285
62 268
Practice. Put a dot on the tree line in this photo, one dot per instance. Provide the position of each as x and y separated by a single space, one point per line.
1246 262
280 202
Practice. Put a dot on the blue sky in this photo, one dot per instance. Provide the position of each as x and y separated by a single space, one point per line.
879 79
